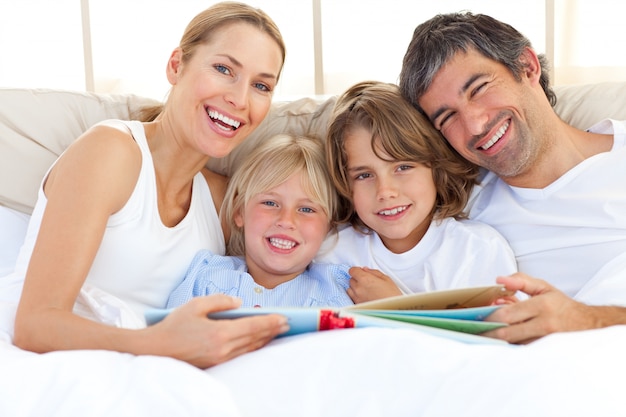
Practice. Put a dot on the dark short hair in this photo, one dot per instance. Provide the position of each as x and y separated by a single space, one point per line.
437 40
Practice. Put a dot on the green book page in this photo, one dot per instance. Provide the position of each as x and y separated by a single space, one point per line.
457 325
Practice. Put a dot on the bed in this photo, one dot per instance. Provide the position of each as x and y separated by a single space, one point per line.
357 372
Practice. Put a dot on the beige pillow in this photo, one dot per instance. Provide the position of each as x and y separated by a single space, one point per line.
36 125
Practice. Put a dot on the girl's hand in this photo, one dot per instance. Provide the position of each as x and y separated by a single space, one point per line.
370 284
189 335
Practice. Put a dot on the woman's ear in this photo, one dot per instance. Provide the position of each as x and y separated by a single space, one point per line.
531 67
174 66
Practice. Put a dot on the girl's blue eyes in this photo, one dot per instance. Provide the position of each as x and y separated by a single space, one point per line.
302 209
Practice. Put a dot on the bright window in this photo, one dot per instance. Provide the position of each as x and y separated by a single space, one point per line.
128 42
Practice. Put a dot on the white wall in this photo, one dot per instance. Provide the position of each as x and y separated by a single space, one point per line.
130 40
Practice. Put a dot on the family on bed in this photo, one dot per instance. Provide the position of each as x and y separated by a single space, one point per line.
460 176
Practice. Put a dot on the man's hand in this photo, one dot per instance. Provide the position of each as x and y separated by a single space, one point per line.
547 311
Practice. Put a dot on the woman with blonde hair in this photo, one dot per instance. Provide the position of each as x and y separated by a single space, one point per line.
122 212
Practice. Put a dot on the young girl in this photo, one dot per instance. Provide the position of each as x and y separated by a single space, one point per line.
279 207
403 191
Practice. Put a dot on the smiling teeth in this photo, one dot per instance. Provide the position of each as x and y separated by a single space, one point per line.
393 211
218 116
282 243
495 137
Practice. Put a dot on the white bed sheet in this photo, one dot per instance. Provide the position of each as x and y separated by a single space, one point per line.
369 372
13 226
362 372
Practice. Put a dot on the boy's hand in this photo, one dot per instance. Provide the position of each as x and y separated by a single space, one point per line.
370 284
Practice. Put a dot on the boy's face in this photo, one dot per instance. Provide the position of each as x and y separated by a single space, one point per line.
393 198
284 229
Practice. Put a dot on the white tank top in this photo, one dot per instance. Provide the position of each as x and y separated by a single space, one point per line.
140 260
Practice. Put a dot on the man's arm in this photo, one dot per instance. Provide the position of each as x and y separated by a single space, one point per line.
547 311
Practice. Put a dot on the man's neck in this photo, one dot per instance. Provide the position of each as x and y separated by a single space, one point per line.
570 147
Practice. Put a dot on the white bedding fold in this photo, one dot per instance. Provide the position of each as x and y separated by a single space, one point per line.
100 383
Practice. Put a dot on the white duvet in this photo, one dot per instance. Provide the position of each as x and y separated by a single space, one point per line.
369 372
362 372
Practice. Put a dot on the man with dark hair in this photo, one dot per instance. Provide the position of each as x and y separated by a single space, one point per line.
558 194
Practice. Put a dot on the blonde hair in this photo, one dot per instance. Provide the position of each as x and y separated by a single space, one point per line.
269 165
200 29
403 134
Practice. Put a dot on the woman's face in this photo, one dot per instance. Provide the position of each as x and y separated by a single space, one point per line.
225 90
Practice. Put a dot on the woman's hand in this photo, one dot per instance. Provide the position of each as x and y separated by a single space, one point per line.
189 335
370 284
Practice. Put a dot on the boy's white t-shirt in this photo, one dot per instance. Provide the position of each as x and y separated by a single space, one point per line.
452 254
567 232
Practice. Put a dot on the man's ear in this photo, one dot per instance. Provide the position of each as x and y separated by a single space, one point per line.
174 66
531 67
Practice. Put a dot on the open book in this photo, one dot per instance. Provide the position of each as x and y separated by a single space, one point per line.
458 314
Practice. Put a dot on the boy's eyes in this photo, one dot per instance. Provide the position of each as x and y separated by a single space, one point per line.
365 175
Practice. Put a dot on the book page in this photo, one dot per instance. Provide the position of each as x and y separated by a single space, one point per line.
437 300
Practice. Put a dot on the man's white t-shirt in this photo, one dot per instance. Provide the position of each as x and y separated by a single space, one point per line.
567 232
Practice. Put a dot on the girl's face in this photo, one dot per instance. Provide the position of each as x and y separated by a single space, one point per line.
284 229
225 90
394 199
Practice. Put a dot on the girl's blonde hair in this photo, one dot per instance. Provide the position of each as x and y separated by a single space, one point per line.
272 163
403 134
201 28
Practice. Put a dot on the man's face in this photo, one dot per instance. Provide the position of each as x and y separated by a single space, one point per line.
484 112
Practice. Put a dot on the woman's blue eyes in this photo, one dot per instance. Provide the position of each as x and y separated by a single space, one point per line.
226 71
262 87
222 69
